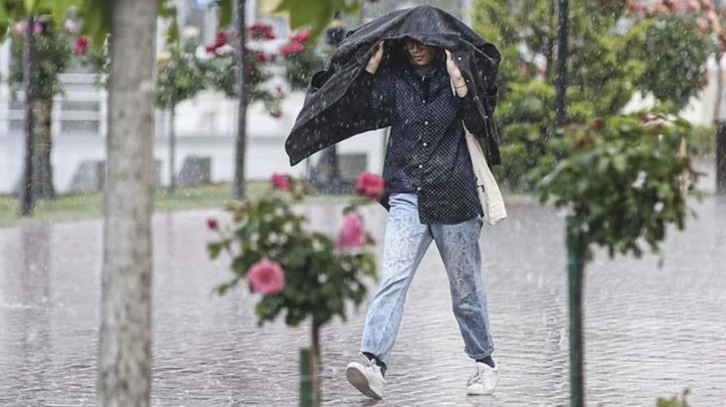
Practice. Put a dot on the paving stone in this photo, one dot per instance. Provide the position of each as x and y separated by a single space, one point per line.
649 332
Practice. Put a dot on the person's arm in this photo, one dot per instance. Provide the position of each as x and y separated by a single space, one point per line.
473 121
377 89
467 103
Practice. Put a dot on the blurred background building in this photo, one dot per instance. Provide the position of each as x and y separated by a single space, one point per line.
205 125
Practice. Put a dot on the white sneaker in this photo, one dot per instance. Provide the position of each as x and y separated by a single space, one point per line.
366 377
484 380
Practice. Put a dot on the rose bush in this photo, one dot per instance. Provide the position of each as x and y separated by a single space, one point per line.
220 66
300 60
296 271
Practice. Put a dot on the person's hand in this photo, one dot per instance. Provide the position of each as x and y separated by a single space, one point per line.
375 60
456 77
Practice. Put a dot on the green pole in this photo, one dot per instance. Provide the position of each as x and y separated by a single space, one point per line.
306 383
575 266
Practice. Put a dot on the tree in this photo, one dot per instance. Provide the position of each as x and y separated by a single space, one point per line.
14 11
241 139
708 17
605 67
124 366
623 181
51 57
301 274
179 77
315 15
671 46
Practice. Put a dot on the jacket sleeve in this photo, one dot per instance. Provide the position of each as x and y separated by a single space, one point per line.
377 91
470 115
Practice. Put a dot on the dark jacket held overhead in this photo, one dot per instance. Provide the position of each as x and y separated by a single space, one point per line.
332 111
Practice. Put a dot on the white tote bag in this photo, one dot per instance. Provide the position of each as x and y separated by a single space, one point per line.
492 202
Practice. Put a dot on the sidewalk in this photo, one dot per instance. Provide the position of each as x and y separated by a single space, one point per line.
650 332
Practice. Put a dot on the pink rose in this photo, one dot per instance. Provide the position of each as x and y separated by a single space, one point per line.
224 49
291 48
81 45
351 235
220 39
281 181
296 47
260 31
301 36
703 24
212 223
266 277
19 28
370 185
70 26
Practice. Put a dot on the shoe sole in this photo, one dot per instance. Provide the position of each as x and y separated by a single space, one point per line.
479 392
359 380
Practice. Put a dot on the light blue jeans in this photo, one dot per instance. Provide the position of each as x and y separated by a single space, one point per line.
406 241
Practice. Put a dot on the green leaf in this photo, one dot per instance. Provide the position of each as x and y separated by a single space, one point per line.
226 12
314 15
215 249
59 8
620 163
29 6
3 15
222 289
168 11
96 15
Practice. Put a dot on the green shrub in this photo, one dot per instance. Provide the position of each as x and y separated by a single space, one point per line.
623 181
674 401
702 141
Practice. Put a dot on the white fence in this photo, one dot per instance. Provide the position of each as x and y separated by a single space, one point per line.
205 126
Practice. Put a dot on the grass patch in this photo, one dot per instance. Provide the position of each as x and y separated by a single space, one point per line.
90 205
76 207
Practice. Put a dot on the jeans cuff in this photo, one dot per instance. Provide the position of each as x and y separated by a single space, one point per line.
481 355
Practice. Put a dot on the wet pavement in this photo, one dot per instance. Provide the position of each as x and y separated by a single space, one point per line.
650 331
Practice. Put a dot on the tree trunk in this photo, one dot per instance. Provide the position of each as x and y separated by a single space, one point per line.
172 150
721 126
26 189
241 142
124 363
561 82
44 186
721 159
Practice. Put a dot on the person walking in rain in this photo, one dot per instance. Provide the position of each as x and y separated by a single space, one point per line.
428 172
431 78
